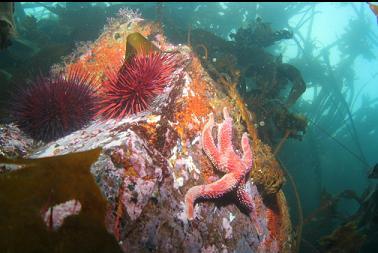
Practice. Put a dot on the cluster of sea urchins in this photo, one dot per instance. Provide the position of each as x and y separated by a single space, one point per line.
136 84
53 107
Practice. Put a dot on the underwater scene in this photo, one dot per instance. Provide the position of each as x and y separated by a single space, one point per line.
209 127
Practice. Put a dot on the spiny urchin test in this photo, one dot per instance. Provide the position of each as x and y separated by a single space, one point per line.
136 84
55 106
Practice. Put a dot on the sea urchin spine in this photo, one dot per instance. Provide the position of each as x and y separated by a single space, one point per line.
54 106
136 84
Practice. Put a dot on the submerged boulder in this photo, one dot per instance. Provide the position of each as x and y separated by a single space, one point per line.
149 160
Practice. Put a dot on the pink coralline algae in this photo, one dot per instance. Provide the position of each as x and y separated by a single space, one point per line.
224 159
54 216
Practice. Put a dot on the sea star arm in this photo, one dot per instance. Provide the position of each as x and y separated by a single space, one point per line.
247 202
247 152
209 191
208 144
225 133
225 142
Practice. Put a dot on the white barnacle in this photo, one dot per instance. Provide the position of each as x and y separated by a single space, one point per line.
231 217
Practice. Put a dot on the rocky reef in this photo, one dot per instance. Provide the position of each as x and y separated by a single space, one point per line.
150 159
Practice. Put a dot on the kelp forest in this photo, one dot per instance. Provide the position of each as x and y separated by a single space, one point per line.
302 76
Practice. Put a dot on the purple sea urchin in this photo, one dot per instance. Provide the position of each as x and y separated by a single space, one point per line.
136 84
54 106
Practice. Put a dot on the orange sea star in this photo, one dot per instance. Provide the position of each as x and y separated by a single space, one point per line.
225 159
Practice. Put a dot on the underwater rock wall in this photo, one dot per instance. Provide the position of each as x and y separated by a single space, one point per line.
13 142
150 160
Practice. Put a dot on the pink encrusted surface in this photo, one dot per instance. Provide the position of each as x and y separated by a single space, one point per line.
54 216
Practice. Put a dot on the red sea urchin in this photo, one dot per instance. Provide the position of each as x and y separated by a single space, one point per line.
136 84
54 106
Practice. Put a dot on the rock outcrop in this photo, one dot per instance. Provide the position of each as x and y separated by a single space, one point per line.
151 159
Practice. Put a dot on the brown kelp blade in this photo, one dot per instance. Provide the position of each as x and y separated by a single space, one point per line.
45 182
136 43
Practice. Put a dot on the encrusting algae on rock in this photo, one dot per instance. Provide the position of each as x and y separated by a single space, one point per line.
151 158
